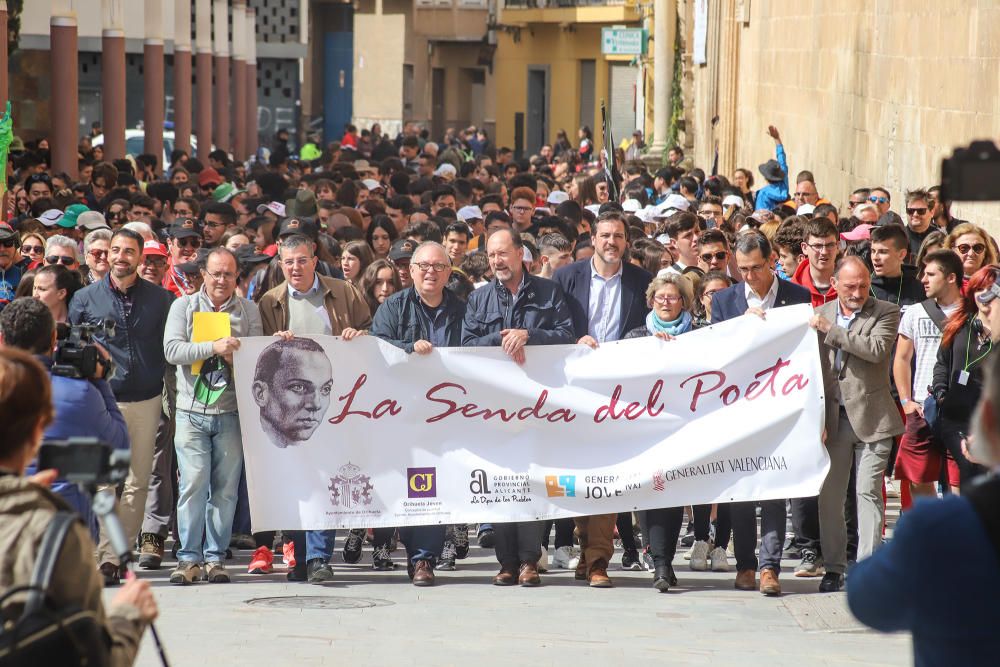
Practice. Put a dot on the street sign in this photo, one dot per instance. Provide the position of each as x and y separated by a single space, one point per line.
617 41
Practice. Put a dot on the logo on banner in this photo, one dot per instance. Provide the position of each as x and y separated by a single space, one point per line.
659 483
351 487
559 486
479 485
420 482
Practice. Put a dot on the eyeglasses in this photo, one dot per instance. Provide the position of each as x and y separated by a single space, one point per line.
821 247
189 242
60 259
719 256
747 270
710 214
437 267
98 254
520 209
916 211
298 261
221 276
213 225
878 200
8 243
664 300
158 262
32 249
710 293
977 248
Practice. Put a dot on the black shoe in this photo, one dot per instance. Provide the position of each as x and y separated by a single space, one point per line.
447 559
318 571
487 538
352 545
381 559
688 540
630 560
297 573
661 578
461 539
832 582
111 574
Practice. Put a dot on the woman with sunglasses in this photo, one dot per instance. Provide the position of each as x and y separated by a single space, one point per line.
96 246
671 298
33 249
54 285
973 245
61 249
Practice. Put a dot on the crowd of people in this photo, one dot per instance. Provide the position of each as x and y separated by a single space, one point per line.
430 244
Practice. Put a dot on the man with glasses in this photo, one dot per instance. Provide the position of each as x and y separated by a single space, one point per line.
821 247
805 189
185 240
208 444
308 303
139 311
713 251
63 250
883 201
919 221
710 210
418 320
12 266
760 292
216 219
859 196
522 207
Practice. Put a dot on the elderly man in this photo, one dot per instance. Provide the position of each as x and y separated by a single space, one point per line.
513 310
419 319
63 250
856 334
208 444
307 303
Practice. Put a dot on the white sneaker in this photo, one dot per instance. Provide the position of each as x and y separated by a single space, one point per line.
699 556
543 562
565 558
687 554
720 560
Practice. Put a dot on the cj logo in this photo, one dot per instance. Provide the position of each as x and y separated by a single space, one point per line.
560 486
421 482
479 485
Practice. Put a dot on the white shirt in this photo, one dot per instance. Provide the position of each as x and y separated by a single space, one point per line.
918 326
754 301
604 312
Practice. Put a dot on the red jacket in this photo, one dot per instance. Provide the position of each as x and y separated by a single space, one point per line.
804 278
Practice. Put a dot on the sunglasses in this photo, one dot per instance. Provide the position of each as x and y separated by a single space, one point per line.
916 211
60 259
8 243
977 248
98 254
32 249
878 200
189 242
718 256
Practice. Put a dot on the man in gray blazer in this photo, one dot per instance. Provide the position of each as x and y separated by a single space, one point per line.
856 333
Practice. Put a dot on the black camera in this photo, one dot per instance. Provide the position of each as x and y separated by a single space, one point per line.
972 174
85 461
76 355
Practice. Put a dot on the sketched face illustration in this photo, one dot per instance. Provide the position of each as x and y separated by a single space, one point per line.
292 385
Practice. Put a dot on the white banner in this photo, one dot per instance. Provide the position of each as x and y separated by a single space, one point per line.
359 434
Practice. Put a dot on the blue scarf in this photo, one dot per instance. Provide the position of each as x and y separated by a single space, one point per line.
674 327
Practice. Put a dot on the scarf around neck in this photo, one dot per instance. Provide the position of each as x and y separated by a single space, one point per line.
674 327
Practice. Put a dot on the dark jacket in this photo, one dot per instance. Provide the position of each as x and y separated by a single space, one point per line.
732 301
399 320
903 291
575 282
956 402
540 307
137 346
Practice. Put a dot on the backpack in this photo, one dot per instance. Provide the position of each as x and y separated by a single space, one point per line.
45 634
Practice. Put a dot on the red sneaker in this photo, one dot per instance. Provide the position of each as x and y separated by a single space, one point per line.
288 553
261 562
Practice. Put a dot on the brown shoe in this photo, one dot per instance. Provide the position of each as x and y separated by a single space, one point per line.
505 577
111 574
581 569
769 582
746 580
598 574
529 575
423 574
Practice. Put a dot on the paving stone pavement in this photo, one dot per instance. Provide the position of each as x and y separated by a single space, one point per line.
465 621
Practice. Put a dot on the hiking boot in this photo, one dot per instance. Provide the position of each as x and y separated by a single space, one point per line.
318 571
597 575
186 573
423 573
151 551
111 573
381 560
215 573
447 559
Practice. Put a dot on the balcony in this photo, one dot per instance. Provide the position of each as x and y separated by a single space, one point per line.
570 11
552 4
445 20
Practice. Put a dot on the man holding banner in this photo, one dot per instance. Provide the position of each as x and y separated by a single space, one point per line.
512 311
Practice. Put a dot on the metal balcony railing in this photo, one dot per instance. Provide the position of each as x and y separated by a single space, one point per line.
553 4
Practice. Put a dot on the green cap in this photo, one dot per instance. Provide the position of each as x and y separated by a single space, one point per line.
68 220
225 192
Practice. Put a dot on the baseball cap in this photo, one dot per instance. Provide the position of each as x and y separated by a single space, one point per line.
733 200
631 205
274 207
208 176
91 220
402 249
371 184
362 166
68 219
185 229
674 203
225 192
446 169
154 248
6 232
860 233
247 255
805 209
556 197
467 213
50 217
988 295
305 226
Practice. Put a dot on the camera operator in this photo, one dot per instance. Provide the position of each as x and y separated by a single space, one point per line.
84 407
27 508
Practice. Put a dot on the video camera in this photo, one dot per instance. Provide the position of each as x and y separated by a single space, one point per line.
76 354
86 462
972 173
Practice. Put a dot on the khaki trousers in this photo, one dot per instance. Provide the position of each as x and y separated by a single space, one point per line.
597 534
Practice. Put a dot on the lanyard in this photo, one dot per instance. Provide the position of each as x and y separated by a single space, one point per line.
899 294
968 346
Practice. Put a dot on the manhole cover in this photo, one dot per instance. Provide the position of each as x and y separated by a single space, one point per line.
318 602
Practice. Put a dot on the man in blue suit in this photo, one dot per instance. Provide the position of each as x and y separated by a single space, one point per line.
607 298
760 292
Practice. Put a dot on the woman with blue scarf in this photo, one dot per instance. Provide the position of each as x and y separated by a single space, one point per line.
671 299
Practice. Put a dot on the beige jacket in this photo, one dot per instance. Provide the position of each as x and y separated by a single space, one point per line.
863 380
25 512
345 305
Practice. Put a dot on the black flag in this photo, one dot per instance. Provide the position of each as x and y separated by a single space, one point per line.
610 169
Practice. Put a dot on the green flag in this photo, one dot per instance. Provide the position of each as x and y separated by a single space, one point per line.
6 136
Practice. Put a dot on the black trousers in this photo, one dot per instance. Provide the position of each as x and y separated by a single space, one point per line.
723 525
518 543
660 529
772 529
950 433
805 523
564 532
625 532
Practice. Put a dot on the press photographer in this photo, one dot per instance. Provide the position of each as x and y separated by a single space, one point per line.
82 399
27 509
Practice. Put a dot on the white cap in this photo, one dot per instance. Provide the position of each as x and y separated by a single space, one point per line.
446 169
467 213
593 208
371 184
733 200
557 197
631 205
50 217
805 209
274 207
91 220
647 214
675 203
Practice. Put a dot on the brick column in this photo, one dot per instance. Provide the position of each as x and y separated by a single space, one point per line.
113 78
221 109
203 65
182 76
251 74
153 82
239 80
65 88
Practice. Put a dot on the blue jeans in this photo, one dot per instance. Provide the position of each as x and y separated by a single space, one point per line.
209 459
423 542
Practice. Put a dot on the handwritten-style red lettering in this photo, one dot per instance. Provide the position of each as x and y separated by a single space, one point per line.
382 408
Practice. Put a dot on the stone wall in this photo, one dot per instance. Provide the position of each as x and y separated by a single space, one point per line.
865 92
